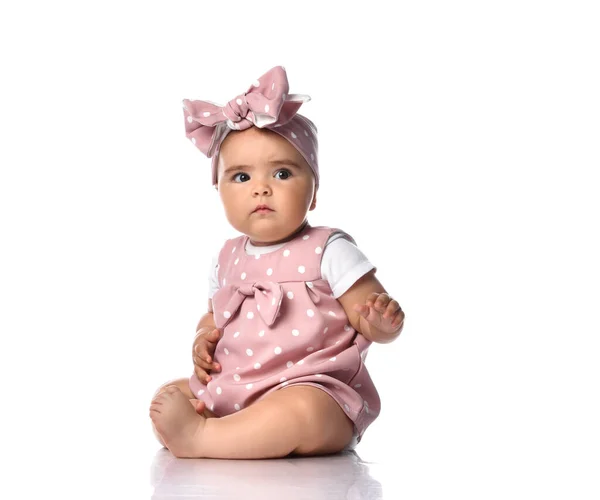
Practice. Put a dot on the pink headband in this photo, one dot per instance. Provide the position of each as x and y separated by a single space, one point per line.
266 104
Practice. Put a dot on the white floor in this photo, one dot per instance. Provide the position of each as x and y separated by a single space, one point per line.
343 476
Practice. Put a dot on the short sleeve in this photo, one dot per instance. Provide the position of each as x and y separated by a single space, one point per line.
343 264
213 278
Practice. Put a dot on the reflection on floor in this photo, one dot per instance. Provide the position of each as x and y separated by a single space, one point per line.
332 477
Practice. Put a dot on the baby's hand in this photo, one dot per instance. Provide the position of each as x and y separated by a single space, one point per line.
381 311
202 350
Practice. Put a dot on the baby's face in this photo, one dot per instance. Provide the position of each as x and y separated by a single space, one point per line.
259 167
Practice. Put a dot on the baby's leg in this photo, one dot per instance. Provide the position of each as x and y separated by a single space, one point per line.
183 385
299 420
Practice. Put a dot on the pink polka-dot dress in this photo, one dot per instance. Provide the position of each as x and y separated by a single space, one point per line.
282 327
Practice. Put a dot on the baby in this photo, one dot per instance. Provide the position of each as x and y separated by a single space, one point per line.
292 309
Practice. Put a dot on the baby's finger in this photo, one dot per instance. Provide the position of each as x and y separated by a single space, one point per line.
381 302
392 308
207 366
202 375
198 361
371 299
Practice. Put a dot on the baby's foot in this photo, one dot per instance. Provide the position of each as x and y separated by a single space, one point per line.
177 422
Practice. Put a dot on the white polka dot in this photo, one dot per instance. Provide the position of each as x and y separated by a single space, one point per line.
301 362
309 284
250 315
273 301
236 261
290 295
318 250
282 379
249 352
301 269
310 313
310 349
226 351
326 328
212 407
257 366
285 383
267 108
347 407
305 237
249 386
273 86
289 364
367 410
331 313
227 314
239 101
261 333
306 133
219 390
237 407
190 119
269 272
286 253
295 333
347 328
277 350
243 276
312 157
233 249
332 359
194 141
358 386
256 83
258 307
237 378
236 335
206 113
200 392
294 135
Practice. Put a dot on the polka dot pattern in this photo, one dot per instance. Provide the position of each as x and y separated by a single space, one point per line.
309 332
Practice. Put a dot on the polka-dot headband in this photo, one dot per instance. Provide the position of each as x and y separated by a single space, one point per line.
266 104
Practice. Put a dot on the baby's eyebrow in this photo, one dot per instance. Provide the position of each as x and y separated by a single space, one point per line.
291 163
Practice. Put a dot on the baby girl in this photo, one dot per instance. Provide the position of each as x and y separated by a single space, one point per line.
292 308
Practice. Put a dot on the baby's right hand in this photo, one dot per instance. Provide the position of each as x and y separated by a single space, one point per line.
202 352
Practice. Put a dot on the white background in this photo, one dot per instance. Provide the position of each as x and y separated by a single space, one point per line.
458 145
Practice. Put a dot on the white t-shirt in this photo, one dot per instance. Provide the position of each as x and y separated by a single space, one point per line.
342 264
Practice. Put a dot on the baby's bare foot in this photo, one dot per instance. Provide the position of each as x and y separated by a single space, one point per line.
177 422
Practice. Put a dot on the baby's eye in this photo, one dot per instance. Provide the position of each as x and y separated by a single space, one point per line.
286 173
246 176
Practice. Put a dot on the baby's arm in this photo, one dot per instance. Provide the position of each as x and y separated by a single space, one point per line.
376 327
208 319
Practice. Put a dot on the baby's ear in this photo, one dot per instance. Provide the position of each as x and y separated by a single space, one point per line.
313 205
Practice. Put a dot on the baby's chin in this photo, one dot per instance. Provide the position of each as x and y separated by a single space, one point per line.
267 233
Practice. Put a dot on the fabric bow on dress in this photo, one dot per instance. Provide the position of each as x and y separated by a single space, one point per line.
229 298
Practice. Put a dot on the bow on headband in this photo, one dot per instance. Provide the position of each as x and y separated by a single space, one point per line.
266 104
229 299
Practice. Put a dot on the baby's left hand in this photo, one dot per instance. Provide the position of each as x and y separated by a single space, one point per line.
381 311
